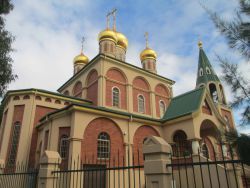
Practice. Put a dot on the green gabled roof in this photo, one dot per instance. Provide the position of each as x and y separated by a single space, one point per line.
34 90
204 64
184 104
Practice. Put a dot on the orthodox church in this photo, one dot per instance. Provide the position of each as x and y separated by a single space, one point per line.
110 106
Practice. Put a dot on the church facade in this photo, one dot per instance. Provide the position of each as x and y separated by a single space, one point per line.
110 106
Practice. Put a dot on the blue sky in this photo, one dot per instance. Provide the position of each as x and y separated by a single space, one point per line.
48 35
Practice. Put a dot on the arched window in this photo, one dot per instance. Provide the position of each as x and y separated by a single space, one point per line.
39 98
64 146
204 150
162 108
115 97
103 146
14 144
208 71
182 146
201 72
141 104
213 92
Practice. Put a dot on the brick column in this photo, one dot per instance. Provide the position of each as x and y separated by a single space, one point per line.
50 162
157 155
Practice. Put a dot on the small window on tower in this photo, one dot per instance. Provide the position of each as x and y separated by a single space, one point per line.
141 104
115 97
162 108
201 72
208 70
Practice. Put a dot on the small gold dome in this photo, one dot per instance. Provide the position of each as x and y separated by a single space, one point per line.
148 53
122 40
81 58
107 34
200 44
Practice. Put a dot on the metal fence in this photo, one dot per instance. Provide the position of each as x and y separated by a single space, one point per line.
101 173
18 176
196 171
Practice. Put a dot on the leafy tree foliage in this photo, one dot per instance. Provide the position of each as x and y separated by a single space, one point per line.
241 142
6 39
237 34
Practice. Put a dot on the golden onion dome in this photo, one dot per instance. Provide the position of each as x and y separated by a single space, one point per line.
122 40
148 53
81 58
107 34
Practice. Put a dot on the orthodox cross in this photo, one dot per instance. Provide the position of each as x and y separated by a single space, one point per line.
107 17
83 39
113 12
146 38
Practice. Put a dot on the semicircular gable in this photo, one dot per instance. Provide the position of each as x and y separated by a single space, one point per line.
99 125
77 88
116 74
92 76
162 90
141 82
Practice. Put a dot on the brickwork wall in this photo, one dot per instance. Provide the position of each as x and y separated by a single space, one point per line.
210 148
141 87
229 116
77 90
206 109
161 94
63 131
115 78
17 117
40 112
139 136
92 86
89 144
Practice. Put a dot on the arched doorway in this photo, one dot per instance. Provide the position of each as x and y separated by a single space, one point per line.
210 137
181 146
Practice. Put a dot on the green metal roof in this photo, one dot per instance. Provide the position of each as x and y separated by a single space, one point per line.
184 104
207 69
48 92
102 109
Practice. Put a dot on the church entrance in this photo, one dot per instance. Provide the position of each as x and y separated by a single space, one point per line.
94 175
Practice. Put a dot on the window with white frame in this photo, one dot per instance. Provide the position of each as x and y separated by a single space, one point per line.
201 72
115 97
64 146
103 146
162 108
141 104
208 70
14 144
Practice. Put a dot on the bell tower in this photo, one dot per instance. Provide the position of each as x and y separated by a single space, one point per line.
207 77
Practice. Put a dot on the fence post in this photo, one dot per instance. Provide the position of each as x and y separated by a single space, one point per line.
49 162
157 155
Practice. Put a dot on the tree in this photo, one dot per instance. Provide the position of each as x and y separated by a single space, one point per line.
6 39
237 34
